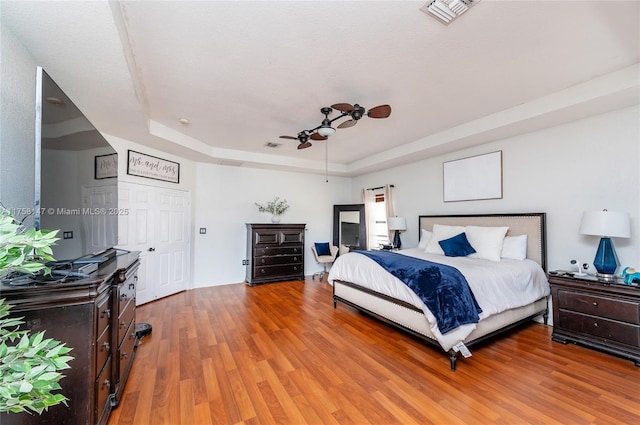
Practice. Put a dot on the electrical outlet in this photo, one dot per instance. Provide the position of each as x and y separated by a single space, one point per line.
203 230
67 235
245 262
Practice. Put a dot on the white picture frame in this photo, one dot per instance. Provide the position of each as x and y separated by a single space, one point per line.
473 178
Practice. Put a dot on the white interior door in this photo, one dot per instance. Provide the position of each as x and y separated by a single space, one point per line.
99 225
157 225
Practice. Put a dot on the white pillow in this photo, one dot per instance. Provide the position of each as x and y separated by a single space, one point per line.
439 233
515 247
487 241
425 236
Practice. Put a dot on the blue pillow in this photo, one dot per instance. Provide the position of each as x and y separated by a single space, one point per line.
322 248
457 246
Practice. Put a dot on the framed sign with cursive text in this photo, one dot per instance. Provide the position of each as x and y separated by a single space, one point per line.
152 167
106 166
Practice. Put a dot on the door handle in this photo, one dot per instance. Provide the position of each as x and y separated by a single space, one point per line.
151 249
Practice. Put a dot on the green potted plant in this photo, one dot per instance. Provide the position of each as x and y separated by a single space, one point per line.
276 207
29 364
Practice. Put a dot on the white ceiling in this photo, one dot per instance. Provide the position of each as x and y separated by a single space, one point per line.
245 73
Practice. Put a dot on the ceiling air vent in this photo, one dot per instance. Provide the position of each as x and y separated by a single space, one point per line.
446 11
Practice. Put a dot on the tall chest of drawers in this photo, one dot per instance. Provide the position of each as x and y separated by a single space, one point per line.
275 252
600 315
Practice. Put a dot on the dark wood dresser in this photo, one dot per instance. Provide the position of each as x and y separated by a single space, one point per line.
275 252
600 315
85 315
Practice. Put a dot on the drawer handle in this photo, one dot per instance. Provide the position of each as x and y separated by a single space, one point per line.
122 325
124 355
106 346
595 324
595 303
295 258
262 261
262 271
132 285
106 312
107 383
123 297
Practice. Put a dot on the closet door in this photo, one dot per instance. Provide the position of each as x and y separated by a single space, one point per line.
157 225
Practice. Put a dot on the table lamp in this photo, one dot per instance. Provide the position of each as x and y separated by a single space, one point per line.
606 224
397 224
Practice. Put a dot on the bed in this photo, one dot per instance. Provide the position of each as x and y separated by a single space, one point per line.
510 285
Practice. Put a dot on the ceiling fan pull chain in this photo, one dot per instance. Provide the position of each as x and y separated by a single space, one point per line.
326 161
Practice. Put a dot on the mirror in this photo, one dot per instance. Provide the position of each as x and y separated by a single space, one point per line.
349 228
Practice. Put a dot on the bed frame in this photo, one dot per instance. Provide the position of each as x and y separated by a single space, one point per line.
412 320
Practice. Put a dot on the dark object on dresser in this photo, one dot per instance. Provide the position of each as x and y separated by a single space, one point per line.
600 315
275 252
85 315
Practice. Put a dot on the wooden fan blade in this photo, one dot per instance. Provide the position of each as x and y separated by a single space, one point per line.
348 123
289 137
344 107
317 136
382 111
304 145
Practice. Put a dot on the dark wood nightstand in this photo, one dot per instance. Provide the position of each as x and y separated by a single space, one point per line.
597 314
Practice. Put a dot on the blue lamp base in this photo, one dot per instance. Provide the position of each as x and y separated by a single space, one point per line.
396 240
606 261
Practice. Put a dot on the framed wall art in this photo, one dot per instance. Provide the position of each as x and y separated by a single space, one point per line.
152 167
106 166
474 178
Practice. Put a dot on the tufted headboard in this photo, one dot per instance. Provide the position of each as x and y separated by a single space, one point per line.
531 224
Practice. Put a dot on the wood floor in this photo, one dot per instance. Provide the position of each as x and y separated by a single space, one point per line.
280 353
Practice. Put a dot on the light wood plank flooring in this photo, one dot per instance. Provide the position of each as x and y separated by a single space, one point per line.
281 354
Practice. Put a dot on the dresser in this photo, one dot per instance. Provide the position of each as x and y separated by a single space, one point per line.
81 313
600 315
275 252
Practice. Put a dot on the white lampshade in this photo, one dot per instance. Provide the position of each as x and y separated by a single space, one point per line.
606 223
397 223
326 131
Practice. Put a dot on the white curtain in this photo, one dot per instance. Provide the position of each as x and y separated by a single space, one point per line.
368 199
388 203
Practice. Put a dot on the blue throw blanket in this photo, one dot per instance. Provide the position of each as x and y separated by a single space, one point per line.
442 288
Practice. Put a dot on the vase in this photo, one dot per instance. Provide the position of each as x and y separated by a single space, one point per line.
275 219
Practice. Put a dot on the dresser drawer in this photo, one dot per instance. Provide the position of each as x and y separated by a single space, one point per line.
103 348
125 320
277 250
616 309
125 352
103 312
599 327
126 293
278 259
278 271
103 389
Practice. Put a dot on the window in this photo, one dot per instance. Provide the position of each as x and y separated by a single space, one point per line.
379 233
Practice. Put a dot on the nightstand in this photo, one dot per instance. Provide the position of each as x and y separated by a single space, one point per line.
597 314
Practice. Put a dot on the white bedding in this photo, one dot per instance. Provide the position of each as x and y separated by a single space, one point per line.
497 285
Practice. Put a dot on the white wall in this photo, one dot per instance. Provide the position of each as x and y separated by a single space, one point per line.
589 164
224 202
17 128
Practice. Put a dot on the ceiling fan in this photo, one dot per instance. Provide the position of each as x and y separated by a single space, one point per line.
324 130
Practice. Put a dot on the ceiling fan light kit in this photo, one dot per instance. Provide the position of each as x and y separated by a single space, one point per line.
446 11
324 130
